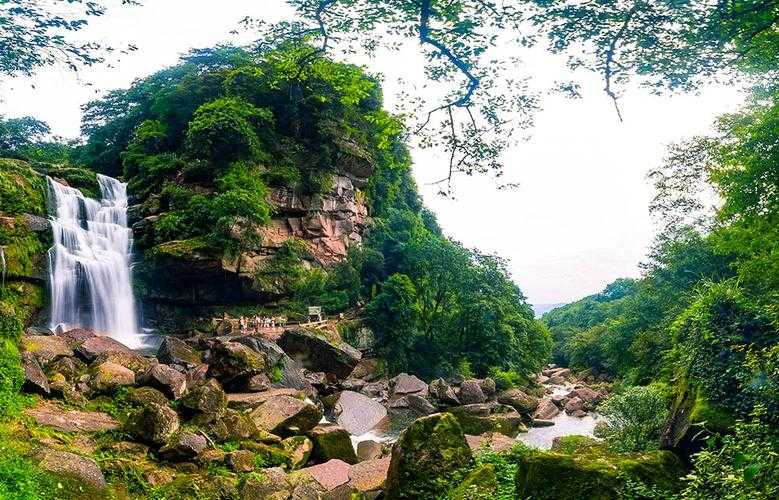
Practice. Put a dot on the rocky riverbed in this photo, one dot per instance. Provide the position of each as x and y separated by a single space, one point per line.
305 409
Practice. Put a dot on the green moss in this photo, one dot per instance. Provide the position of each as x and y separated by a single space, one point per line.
480 484
592 472
267 455
713 417
24 251
501 419
427 456
333 443
180 249
83 179
22 190
574 444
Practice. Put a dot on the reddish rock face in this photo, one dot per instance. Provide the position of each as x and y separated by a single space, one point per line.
93 347
330 474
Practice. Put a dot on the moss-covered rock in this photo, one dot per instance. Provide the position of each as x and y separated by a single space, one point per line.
477 419
22 190
83 179
481 483
591 471
332 441
426 457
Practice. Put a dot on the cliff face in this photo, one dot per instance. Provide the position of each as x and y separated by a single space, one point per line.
190 274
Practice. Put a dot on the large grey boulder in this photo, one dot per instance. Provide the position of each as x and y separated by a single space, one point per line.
357 413
154 424
82 471
519 400
286 415
318 354
173 351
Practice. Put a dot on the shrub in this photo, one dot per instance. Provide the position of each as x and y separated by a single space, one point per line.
634 418
742 465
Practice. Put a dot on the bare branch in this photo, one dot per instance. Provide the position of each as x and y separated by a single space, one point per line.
608 72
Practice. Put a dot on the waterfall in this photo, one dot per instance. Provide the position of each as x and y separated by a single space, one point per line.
89 263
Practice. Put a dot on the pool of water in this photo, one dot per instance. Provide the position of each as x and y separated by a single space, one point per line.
564 425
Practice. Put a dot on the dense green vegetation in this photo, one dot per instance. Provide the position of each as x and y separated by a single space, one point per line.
205 141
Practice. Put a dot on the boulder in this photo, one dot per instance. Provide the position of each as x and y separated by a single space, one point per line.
76 336
232 426
173 351
46 348
272 485
427 455
207 402
408 384
538 422
299 449
183 446
284 415
60 419
519 400
257 383
488 417
370 475
241 460
369 450
357 413
37 330
332 441
170 381
81 472
494 441
379 389
546 410
145 395
479 483
420 405
593 473
249 400
488 387
316 353
589 397
108 376
329 475
289 371
93 347
34 378
366 369
69 367
573 405
154 424
471 393
230 362
443 393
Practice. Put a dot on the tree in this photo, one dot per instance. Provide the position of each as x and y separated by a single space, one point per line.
673 46
37 34
18 133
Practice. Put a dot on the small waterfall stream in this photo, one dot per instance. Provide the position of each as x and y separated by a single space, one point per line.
89 263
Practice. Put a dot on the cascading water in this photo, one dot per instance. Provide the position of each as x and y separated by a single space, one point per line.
89 264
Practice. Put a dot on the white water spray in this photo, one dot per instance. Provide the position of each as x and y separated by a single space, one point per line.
89 264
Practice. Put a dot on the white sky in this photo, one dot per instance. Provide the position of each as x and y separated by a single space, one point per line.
579 218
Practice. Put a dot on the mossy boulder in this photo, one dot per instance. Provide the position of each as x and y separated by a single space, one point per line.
332 441
299 449
477 419
206 403
154 424
426 457
593 472
481 483
83 179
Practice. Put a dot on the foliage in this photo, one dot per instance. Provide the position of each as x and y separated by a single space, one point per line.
634 419
744 464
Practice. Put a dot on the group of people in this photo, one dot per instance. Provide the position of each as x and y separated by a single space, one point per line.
253 324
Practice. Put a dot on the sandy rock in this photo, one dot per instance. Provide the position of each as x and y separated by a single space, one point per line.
184 446
34 378
81 469
170 381
110 376
495 441
408 384
330 474
546 410
173 351
369 450
249 400
574 404
471 393
369 475
284 414
519 400
52 415
318 354
443 393
357 413
93 347
46 348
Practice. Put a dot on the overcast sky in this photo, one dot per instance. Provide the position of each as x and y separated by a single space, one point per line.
579 217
